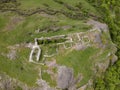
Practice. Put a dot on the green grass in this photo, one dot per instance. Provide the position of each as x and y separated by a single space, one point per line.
38 3
3 21
84 4
18 88
47 77
80 61
20 68
52 50
27 72
30 24
68 45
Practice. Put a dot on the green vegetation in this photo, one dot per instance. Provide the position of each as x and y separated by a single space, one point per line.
52 50
80 61
20 68
24 32
18 88
2 21
67 45
47 77
111 78
44 18
50 41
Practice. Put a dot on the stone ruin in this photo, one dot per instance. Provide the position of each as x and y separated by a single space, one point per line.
34 47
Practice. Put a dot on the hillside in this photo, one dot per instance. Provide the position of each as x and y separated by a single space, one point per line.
55 44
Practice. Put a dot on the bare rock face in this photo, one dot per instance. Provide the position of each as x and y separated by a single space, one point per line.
114 59
97 25
12 55
7 83
65 77
102 66
98 39
80 47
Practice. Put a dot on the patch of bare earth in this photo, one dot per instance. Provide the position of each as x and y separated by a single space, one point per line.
14 21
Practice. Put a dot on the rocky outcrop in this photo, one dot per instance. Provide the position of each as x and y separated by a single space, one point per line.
12 55
65 77
97 25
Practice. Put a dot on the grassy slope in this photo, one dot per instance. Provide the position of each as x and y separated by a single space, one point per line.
38 3
20 34
110 80
80 61
20 68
